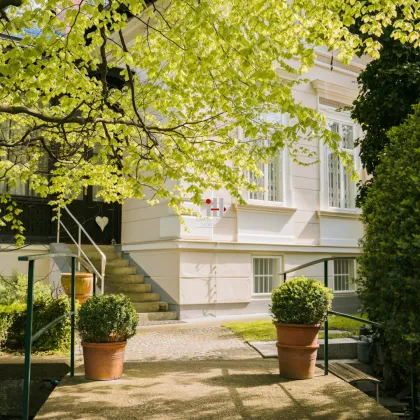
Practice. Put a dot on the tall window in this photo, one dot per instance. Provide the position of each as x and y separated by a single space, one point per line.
341 190
266 270
344 273
271 180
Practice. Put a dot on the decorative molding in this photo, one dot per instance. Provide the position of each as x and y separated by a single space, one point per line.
332 92
249 247
339 214
263 208
331 103
327 60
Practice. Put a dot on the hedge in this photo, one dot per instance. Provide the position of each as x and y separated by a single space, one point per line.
13 322
389 268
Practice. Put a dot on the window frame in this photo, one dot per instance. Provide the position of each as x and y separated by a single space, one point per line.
283 174
345 291
276 277
342 118
280 174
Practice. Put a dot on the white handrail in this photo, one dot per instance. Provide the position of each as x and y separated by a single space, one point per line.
78 244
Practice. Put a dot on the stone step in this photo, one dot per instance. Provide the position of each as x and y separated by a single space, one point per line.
339 348
110 263
92 248
127 288
120 270
123 278
157 316
143 296
108 255
150 306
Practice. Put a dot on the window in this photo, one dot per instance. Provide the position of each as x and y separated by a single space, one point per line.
341 190
344 271
266 274
271 180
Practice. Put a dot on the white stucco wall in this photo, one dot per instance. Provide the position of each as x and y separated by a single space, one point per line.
207 269
9 262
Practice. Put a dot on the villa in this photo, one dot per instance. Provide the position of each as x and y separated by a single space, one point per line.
228 261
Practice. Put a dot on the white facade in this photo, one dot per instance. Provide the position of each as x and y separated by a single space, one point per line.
228 265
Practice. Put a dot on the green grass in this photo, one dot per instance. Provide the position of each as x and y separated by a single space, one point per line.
265 330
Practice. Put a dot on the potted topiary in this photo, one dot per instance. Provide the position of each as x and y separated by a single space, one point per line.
105 323
298 308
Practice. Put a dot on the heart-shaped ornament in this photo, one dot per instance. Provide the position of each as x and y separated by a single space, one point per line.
102 222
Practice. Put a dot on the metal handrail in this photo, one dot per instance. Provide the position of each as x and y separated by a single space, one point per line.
78 244
299 267
356 318
365 321
29 338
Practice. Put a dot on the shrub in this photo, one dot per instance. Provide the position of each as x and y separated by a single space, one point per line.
5 322
301 301
13 289
107 318
45 311
389 268
7 315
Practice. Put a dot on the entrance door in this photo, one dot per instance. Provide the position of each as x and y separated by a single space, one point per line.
102 221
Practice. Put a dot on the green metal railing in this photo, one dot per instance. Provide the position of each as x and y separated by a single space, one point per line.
29 338
413 379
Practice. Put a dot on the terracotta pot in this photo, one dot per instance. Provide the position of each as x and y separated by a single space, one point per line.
84 285
103 361
297 347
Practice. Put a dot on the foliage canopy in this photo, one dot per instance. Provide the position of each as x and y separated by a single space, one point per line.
389 87
193 72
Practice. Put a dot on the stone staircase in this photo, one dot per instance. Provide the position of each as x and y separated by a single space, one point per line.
120 277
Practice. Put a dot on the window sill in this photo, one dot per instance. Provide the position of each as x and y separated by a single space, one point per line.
344 292
341 213
261 296
265 207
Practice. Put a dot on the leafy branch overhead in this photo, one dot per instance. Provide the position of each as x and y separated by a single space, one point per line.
134 97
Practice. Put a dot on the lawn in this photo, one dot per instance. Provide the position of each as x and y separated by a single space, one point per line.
265 330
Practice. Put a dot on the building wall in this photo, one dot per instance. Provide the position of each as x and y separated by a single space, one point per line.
206 268
9 262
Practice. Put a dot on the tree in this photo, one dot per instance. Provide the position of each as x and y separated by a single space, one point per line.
389 87
389 268
195 72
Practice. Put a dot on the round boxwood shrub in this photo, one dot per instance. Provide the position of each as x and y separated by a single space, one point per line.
107 318
301 301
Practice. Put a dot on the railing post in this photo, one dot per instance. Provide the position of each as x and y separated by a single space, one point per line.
326 323
58 224
73 310
28 341
80 244
103 262
284 277
94 284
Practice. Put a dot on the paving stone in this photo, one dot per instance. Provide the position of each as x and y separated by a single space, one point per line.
188 344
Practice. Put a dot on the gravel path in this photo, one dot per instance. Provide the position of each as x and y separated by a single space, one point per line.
205 343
